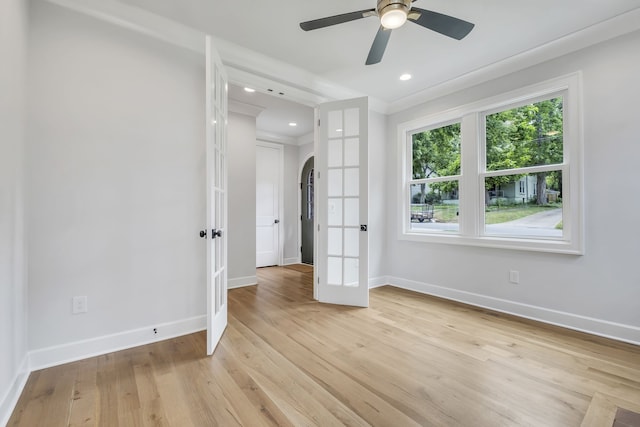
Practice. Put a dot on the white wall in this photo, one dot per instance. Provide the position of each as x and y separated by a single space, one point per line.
378 200
13 304
599 291
115 170
242 199
304 151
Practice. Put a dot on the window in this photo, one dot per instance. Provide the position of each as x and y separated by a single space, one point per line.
524 145
434 182
504 172
309 200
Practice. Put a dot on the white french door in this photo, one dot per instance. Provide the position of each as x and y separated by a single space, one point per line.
216 231
341 184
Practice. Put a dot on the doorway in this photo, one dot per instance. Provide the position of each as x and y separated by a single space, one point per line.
307 210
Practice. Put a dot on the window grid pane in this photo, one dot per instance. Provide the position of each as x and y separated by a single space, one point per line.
529 135
524 205
436 152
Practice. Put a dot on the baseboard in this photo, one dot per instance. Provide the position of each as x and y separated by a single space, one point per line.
57 355
239 282
603 328
376 282
10 399
289 261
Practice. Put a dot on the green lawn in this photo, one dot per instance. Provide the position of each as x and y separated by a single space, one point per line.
510 213
494 214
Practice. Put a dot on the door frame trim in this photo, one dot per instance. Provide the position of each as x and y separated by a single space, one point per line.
280 148
299 216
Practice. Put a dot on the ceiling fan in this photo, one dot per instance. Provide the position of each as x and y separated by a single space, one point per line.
393 14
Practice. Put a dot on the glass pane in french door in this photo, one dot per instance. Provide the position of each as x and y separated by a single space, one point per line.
343 188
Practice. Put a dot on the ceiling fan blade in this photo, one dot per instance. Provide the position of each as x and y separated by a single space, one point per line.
443 24
379 45
336 19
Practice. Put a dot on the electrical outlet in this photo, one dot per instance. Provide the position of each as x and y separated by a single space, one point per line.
514 276
79 305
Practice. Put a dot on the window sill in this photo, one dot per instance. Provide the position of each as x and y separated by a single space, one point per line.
497 242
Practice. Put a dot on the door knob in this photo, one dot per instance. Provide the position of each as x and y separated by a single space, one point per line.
203 233
277 221
216 233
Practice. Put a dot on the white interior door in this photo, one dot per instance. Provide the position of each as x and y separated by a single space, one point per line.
342 203
216 231
269 158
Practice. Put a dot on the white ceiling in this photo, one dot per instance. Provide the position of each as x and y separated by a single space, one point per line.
272 123
261 42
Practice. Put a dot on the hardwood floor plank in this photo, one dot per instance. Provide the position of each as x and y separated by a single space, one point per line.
284 376
152 410
247 412
107 389
286 360
326 370
84 401
25 404
269 411
601 412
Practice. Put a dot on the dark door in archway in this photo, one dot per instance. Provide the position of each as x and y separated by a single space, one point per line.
307 212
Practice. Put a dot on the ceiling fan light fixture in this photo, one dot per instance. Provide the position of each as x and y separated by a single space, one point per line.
393 19
393 13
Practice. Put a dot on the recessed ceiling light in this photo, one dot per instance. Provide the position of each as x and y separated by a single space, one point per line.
293 124
248 89
405 76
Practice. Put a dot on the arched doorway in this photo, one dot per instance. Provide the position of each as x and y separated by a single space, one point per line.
307 213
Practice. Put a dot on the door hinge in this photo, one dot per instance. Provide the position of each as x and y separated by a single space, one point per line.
300 248
318 122
318 280
318 227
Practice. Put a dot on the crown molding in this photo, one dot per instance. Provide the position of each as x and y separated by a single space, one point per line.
287 140
272 137
247 67
139 20
243 108
597 33
306 139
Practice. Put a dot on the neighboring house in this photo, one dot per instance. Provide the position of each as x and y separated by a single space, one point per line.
520 191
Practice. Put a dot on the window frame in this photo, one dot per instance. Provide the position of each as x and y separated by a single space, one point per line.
445 178
472 173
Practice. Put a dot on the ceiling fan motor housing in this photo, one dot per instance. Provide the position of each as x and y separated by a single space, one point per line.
385 6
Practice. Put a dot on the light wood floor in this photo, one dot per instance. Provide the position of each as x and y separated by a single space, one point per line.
284 359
